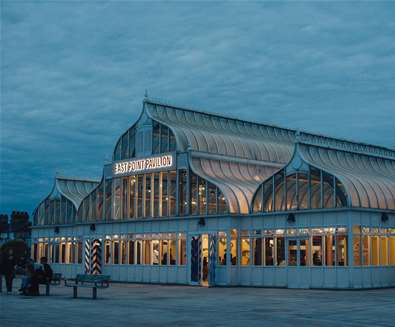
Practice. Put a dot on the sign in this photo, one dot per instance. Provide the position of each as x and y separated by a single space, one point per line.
142 165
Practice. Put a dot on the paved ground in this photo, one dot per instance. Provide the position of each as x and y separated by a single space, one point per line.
154 305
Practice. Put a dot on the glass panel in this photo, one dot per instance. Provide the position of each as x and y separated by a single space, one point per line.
269 251
212 199
155 252
117 198
392 250
172 142
357 249
125 201
172 252
131 142
233 247
202 196
280 248
164 143
303 184
108 198
99 203
330 250
164 252
182 192
117 151
123 252
140 190
257 245
375 251
304 252
147 252
291 192
79 251
155 137
317 250
194 190
182 249
279 191
292 253
257 205
125 146
164 194
172 192
132 197
139 252
222 248
107 252
148 195
115 252
341 197
131 252
365 242
315 188
157 197
384 250
245 251
328 186
222 205
341 250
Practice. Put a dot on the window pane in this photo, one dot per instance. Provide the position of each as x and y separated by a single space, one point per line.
115 252
292 252
291 192
202 196
172 193
194 190
222 248
233 247
140 190
182 195
330 250
375 251
155 137
117 198
164 143
125 198
315 188
155 252
123 252
357 249
316 251
107 252
212 199
139 252
280 247
384 250
392 250
269 251
182 249
172 140
156 194
245 251
125 146
164 252
257 244
341 250
132 197
131 142
222 206
164 194
148 195
172 252
303 191
304 252
131 252
365 242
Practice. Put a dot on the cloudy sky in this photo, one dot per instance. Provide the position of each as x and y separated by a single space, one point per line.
73 75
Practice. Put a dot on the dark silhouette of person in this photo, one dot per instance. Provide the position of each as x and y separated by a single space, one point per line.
9 269
30 281
44 273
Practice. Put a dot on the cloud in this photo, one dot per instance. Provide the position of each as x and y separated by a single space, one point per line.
74 75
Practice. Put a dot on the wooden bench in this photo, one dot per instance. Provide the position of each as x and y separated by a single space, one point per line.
88 281
56 279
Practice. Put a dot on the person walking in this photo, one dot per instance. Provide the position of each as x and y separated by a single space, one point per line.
9 269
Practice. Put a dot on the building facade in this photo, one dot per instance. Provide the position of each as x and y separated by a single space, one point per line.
202 199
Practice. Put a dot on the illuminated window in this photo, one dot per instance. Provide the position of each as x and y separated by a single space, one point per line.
233 247
131 252
222 248
245 251
182 249
172 251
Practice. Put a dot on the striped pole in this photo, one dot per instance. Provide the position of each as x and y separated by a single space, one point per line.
96 257
87 257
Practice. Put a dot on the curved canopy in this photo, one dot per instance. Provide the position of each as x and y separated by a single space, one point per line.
74 189
369 180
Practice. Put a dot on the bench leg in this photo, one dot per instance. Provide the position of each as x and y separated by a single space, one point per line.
75 291
94 293
47 289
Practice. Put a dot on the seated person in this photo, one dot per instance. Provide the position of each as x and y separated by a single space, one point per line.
44 272
29 281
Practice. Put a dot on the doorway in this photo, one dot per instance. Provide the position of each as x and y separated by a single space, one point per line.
298 254
200 260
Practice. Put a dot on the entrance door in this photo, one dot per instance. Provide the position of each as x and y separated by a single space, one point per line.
298 262
195 259
203 256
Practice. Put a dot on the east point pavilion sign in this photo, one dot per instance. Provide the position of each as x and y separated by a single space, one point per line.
131 167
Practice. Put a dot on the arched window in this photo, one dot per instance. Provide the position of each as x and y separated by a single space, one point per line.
54 210
312 189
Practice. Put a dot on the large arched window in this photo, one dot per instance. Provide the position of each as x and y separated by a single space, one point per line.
312 189
91 207
163 140
55 209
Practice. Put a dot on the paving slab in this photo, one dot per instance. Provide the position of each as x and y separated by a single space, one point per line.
168 305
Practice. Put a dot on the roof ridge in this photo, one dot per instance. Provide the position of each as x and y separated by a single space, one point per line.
349 142
80 179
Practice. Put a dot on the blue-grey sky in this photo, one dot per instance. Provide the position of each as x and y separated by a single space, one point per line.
73 75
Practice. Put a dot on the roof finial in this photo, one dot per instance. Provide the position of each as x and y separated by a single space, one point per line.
146 94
